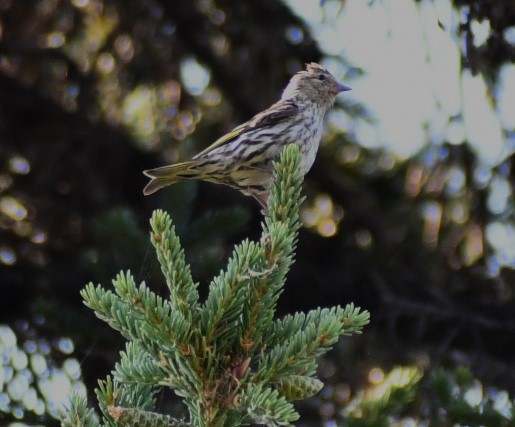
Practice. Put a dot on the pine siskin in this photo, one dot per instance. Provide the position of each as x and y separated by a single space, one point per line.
242 159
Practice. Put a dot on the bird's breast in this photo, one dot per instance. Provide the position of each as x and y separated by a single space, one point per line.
312 133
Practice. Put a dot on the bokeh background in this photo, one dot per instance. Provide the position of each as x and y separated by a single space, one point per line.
409 210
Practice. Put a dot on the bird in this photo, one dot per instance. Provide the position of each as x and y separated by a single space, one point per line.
243 158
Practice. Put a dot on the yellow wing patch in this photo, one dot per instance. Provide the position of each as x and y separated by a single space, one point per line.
279 112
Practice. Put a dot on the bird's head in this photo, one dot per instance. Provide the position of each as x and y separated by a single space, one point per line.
315 84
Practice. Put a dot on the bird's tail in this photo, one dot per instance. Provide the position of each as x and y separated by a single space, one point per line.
168 175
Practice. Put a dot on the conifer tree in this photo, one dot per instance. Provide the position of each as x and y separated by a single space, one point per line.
228 357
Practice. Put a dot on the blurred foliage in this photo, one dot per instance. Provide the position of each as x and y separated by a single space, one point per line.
36 375
94 91
498 48
405 396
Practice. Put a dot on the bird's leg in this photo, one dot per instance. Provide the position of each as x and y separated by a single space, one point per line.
261 197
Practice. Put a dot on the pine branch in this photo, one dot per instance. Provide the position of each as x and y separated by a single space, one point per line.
278 245
229 359
78 414
314 336
265 406
128 317
132 417
227 295
137 366
183 291
107 393
296 387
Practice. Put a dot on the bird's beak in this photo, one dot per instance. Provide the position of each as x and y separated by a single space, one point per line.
342 88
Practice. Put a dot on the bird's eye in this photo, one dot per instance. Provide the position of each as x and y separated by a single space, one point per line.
321 77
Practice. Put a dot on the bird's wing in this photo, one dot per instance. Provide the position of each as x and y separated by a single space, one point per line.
277 113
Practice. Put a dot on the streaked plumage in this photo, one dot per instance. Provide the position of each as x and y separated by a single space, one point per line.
242 159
